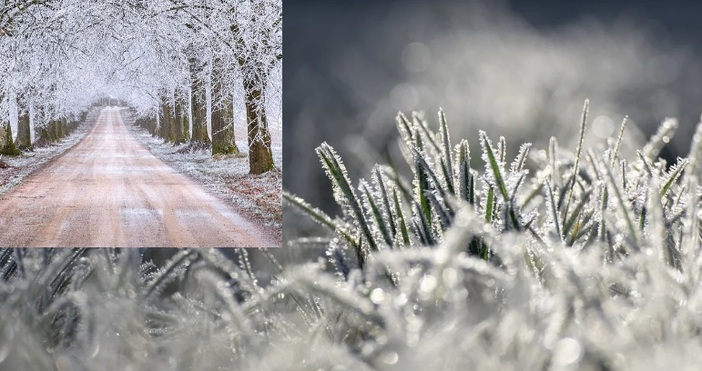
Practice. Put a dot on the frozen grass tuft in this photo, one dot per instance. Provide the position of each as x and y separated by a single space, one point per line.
563 260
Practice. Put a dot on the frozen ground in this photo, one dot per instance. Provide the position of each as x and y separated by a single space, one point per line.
258 197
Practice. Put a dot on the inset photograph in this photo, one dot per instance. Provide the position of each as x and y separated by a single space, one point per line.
141 124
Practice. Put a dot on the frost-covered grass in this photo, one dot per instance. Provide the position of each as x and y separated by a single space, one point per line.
471 264
588 261
94 309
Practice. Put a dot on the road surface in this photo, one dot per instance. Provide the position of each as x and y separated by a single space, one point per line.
110 191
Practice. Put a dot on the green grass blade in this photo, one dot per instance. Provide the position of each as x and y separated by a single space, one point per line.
465 185
444 212
404 127
554 211
576 213
520 160
446 157
502 149
378 179
580 229
673 175
576 166
492 161
404 230
603 209
320 217
343 192
377 217
490 205
615 153
423 227
421 180
426 168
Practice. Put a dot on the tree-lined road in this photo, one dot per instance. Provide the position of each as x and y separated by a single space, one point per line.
109 190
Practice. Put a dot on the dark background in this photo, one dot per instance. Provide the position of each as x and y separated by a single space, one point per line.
538 59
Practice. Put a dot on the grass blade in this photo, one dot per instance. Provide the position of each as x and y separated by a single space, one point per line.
378 179
665 132
343 192
446 158
492 161
375 214
618 195
576 166
401 219
554 211
465 182
615 153
673 175
320 217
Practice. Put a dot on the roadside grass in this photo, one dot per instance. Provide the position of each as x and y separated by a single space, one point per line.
259 197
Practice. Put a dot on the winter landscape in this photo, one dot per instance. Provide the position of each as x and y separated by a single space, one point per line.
81 84
522 227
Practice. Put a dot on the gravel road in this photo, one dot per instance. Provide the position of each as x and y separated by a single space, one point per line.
110 191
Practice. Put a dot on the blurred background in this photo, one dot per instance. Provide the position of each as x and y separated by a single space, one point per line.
521 69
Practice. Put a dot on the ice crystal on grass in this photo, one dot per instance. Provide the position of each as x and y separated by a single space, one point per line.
587 264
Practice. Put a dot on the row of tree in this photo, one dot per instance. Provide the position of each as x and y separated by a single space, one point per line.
187 67
52 131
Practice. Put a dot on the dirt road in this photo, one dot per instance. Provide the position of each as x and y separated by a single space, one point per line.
109 190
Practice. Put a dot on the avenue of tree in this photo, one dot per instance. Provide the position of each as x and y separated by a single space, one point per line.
186 68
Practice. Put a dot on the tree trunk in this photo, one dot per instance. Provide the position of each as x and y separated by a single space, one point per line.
153 125
32 118
9 147
185 135
24 138
14 115
199 103
177 126
166 123
200 117
54 130
260 155
223 139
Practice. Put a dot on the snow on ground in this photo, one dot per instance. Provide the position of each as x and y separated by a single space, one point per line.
259 197
14 169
